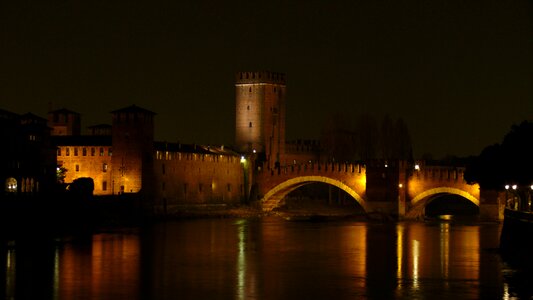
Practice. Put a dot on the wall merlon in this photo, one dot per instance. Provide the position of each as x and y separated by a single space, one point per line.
261 77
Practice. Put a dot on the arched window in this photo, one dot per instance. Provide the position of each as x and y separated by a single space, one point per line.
11 185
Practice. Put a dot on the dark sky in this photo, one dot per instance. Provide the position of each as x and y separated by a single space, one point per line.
459 72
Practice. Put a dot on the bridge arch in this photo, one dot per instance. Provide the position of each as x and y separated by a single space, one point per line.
272 198
419 202
445 190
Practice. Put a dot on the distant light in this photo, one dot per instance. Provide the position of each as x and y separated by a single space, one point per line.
243 159
532 186
254 151
400 185
446 217
386 166
514 186
417 167
506 186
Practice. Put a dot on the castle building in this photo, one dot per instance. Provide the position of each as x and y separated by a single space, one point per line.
123 158
27 157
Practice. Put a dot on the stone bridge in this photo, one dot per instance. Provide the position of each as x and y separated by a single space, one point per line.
401 190
426 183
274 185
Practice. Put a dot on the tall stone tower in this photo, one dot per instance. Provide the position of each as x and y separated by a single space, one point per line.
260 114
133 148
64 122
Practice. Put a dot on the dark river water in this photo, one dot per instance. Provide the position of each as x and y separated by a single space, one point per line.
268 258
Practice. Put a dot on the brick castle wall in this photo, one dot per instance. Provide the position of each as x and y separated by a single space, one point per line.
194 178
88 161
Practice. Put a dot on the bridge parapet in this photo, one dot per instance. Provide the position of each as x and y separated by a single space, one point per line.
438 173
316 167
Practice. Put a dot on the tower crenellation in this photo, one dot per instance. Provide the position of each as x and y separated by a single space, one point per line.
261 77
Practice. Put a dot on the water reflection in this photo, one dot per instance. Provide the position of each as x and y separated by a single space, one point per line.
266 259
107 264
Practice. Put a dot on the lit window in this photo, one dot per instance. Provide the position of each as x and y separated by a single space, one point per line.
104 167
11 185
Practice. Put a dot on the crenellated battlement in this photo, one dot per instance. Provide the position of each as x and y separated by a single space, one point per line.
443 173
260 77
319 167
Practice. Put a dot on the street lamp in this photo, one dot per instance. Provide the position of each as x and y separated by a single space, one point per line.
245 177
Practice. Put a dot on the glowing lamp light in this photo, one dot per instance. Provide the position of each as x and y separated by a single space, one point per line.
400 185
532 186
254 151
243 159
506 186
514 186
417 167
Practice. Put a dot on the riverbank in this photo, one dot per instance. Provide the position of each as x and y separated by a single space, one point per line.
291 211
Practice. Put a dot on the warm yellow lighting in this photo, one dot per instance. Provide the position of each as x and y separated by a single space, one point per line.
243 159
446 217
506 186
514 186
417 167
11 185
400 185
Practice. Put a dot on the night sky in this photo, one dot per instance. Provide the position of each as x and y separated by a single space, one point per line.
459 72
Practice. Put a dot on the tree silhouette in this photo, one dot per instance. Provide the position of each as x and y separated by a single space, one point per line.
365 139
510 162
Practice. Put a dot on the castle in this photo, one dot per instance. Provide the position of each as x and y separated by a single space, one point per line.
123 157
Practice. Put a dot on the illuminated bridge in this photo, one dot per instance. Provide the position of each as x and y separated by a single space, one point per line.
400 190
